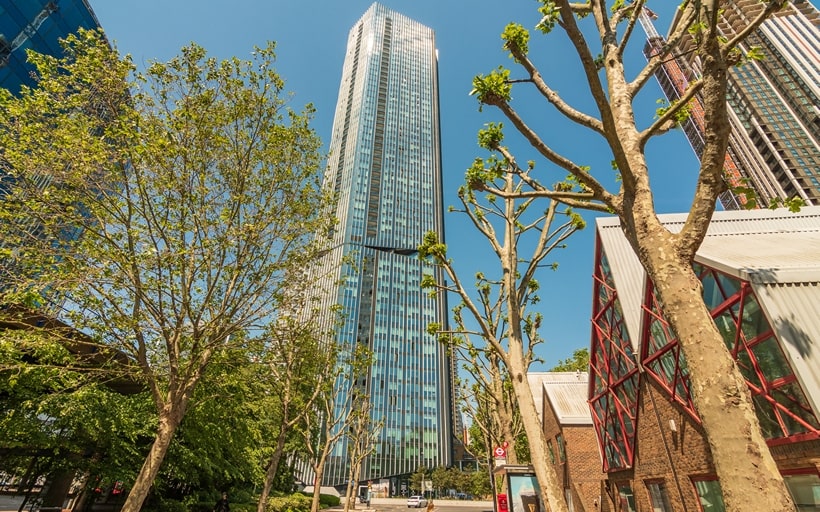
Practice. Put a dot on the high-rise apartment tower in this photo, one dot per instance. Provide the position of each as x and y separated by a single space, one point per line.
774 103
385 168
38 25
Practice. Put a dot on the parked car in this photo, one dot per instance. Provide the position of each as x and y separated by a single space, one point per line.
416 502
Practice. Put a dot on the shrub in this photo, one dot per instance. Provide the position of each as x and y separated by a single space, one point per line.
328 500
167 505
293 503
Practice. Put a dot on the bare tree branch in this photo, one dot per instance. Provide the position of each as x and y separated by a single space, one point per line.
552 96
634 13
575 35
583 176
667 117
771 7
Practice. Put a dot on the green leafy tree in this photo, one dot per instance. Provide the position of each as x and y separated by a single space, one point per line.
480 483
742 460
291 370
439 478
506 332
362 434
214 447
417 480
579 362
335 412
194 188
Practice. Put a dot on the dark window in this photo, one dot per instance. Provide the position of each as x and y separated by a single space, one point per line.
710 497
626 500
552 453
562 453
658 497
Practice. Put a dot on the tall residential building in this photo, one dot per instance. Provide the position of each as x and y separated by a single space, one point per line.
385 168
774 103
36 25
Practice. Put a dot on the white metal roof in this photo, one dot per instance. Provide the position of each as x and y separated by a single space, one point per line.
567 394
776 250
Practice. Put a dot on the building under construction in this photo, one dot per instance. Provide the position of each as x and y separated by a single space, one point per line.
774 103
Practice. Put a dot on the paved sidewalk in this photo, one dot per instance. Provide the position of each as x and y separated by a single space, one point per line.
12 504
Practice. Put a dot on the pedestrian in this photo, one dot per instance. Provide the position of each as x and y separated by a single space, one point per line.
222 504
430 505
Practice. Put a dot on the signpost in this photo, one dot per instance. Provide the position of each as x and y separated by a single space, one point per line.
500 454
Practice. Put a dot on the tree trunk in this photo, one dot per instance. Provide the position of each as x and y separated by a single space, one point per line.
504 422
59 483
270 474
552 495
169 420
349 493
319 470
747 471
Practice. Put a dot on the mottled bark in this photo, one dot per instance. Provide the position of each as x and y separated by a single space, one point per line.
747 471
550 485
169 419
742 459
517 366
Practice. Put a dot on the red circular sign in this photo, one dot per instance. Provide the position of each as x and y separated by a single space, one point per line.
500 452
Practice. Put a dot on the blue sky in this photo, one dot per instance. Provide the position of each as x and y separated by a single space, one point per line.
311 37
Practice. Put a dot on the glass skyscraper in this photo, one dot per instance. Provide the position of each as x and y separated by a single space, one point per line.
385 168
774 103
38 25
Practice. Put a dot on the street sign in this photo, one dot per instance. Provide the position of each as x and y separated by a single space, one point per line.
500 452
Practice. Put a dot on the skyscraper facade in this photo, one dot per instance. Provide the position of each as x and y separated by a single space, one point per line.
774 103
385 168
38 25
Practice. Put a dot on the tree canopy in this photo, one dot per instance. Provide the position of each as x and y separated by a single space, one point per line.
160 212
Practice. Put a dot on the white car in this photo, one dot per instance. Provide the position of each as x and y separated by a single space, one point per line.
416 502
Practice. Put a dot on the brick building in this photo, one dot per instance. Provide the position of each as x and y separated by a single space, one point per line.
760 272
573 450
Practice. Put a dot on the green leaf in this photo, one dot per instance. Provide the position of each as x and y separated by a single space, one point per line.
494 88
550 14
516 40
490 138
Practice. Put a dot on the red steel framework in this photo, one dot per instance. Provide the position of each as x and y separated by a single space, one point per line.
615 379
784 413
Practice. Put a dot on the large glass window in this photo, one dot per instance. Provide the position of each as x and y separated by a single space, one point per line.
626 500
710 497
562 452
661 357
780 403
805 491
658 497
